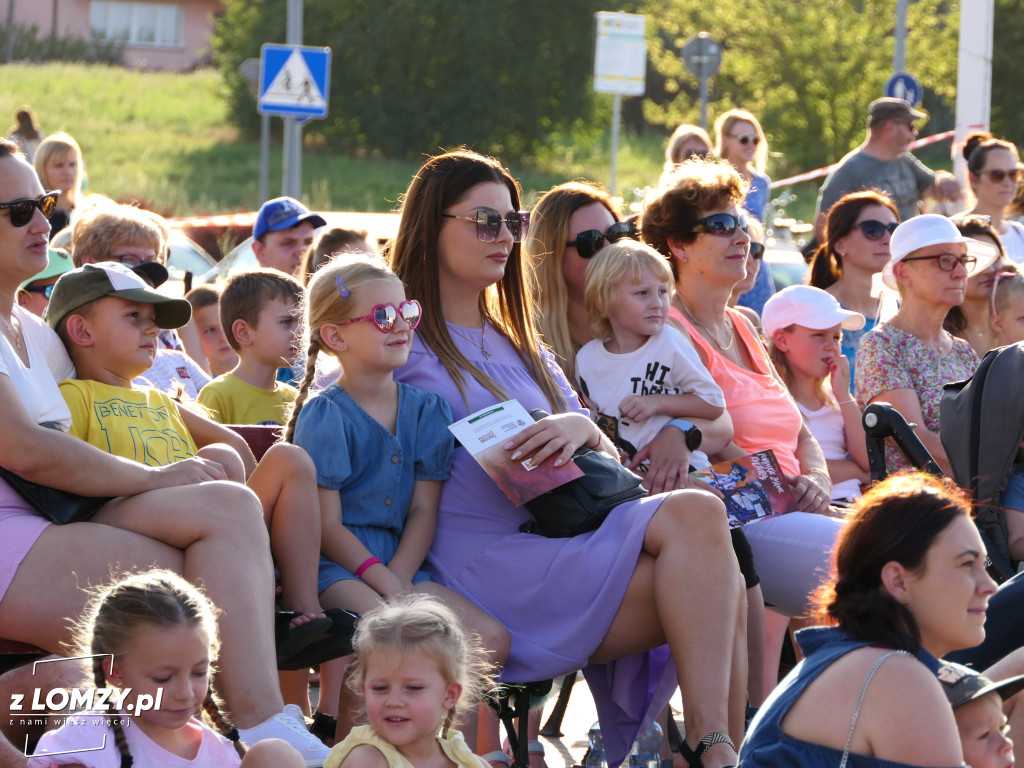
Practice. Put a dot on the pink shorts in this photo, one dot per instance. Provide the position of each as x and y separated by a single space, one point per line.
20 526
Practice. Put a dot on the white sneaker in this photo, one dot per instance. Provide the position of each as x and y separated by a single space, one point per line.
289 725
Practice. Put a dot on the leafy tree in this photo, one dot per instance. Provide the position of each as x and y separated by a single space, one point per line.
1007 98
411 77
807 70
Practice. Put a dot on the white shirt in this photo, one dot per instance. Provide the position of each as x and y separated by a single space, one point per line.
827 427
36 385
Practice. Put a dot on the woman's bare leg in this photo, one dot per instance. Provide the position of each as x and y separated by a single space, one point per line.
756 646
687 590
229 557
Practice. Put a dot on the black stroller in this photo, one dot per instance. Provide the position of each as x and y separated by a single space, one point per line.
982 426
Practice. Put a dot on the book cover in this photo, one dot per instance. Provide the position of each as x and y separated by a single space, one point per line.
485 432
753 486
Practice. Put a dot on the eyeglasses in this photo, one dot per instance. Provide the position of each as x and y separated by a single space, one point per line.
757 251
590 241
46 290
948 261
998 175
488 224
875 230
384 316
131 259
909 124
23 209
745 138
720 224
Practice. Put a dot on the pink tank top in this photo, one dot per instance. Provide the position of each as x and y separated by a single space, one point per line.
763 414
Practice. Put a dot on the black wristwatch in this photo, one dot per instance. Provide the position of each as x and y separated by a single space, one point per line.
693 433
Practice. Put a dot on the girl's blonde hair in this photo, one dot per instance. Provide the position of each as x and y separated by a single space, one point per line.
781 363
154 599
544 249
508 305
1009 281
58 145
332 297
611 266
724 125
421 624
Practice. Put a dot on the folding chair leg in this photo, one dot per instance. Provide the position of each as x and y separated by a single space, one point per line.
553 727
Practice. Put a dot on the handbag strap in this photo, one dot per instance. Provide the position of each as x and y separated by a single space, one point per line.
860 700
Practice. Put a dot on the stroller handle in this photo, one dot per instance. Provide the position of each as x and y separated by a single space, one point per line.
880 421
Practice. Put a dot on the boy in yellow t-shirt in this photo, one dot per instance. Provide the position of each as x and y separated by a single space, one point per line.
260 313
108 319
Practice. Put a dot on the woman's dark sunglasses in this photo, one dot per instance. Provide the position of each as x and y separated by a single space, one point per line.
46 290
22 210
757 251
590 241
875 230
720 224
998 175
488 224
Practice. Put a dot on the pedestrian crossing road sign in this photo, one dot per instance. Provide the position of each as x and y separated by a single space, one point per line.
294 80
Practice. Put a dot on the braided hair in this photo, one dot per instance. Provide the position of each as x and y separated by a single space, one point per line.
153 599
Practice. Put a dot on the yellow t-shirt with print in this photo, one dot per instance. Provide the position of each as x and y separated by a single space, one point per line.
139 424
231 400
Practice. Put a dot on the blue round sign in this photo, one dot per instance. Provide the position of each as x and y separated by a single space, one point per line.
904 86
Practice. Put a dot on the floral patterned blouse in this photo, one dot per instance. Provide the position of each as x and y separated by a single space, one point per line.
889 358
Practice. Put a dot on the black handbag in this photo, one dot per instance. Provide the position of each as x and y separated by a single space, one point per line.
57 506
582 504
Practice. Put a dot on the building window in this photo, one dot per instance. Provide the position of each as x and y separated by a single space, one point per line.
159 25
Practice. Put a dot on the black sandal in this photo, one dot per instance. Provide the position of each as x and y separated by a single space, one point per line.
290 640
324 726
335 643
695 757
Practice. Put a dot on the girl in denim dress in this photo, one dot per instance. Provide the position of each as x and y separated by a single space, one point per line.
382 449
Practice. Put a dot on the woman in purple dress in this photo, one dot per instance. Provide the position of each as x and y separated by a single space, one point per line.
657 570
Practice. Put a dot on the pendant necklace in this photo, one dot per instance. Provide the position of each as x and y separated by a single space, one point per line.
707 332
13 335
483 330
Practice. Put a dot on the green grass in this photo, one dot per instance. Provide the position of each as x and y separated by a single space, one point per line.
164 138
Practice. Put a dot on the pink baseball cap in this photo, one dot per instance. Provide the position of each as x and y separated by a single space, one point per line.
807 306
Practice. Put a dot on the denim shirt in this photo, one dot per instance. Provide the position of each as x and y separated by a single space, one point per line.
767 745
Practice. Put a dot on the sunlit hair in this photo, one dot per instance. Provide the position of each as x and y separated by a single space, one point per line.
9 149
1009 282
417 624
103 227
693 189
25 124
204 296
723 127
544 251
157 599
246 293
977 228
978 144
615 264
682 135
53 147
827 263
897 520
332 296
442 182
329 242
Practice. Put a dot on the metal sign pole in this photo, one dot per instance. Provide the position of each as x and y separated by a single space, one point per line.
292 173
616 119
264 158
704 103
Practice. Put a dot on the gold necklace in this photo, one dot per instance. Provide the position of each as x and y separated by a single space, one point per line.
483 330
14 336
707 332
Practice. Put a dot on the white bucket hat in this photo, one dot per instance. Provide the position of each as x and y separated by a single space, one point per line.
932 229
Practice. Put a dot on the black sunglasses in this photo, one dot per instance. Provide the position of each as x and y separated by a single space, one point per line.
746 138
875 230
488 224
590 241
998 175
46 290
757 251
22 210
720 224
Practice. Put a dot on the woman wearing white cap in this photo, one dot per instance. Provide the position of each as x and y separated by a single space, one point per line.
906 360
804 327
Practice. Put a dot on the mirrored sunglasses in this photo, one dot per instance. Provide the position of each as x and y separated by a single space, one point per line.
488 224
746 138
757 251
998 175
590 241
46 290
22 210
384 316
720 224
875 230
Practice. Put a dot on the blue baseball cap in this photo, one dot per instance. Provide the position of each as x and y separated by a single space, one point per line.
283 213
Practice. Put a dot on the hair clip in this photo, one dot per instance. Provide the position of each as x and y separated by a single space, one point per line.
342 288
